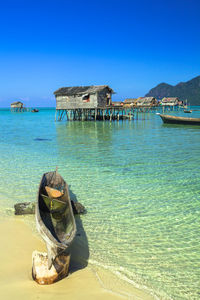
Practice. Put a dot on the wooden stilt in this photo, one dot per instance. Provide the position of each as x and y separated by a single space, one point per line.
55 115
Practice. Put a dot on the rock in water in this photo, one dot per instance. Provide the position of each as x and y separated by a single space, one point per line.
78 208
24 208
40 272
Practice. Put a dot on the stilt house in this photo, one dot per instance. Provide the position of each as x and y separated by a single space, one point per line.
147 101
82 97
170 101
16 104
130 102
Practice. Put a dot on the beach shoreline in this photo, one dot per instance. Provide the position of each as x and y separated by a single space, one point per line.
18 243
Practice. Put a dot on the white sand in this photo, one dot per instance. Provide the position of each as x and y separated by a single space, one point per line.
17 244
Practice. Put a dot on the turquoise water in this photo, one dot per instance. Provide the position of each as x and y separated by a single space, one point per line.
140 183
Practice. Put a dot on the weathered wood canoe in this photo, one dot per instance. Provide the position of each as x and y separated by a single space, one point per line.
179 120
54 216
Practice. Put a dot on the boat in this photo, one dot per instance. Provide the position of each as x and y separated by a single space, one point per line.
34 110
179 120
187 111
54 216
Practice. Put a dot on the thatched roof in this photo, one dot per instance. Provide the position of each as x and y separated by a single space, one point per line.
145 100
74 90
16 103
170 99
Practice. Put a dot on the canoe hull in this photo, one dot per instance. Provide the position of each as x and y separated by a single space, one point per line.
168 119
55 223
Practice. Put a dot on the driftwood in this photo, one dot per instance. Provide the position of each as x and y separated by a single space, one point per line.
27 208
40 272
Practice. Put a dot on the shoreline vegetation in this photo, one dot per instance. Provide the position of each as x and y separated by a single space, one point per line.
16 280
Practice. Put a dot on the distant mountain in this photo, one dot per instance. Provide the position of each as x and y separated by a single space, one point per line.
189 90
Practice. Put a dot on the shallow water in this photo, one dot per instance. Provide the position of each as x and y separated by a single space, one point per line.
139 181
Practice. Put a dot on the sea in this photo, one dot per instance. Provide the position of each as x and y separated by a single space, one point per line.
139 181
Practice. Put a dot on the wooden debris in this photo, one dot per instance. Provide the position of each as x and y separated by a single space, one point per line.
53 193
40 272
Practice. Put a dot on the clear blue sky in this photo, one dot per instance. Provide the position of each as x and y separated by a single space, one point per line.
130 45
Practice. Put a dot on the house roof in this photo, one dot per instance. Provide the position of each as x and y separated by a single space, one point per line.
145 100
16 102
74 90
169 99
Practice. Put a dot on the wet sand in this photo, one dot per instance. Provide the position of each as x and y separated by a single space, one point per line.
17 244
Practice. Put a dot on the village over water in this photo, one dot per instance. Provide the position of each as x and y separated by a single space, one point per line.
95 103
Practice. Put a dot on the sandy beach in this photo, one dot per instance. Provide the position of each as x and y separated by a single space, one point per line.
18 243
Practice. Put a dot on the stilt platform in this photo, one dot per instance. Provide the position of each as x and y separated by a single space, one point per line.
109 113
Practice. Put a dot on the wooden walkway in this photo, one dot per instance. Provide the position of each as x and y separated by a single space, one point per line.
110 113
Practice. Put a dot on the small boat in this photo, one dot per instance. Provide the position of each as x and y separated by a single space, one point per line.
34 110
187 111
54 215
179 120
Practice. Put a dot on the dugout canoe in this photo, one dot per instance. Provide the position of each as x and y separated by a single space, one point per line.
54 215
179 120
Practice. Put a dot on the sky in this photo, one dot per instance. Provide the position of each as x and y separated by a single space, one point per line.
129 45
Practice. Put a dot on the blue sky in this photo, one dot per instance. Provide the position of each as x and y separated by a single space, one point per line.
130 45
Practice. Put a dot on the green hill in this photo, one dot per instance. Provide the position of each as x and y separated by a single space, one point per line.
189 90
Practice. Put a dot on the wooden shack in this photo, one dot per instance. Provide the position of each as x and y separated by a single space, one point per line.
130 102
82 102
16 106
147 101
170 101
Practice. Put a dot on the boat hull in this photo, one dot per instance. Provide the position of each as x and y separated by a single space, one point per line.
168 119
55 219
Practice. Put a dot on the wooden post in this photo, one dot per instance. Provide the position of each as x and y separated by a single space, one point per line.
110 115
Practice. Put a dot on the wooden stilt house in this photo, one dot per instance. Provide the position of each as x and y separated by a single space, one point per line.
16 106
82 102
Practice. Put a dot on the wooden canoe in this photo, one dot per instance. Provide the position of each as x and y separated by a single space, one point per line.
179 120
54 215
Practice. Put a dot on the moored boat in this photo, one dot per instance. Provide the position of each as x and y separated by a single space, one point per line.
187 111
54 216
179 120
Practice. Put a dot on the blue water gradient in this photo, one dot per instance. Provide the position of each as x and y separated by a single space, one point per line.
140 183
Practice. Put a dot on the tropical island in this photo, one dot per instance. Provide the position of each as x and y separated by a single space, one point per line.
189 90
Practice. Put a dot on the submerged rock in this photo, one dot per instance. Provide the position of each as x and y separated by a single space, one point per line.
25 208
78 208
28 208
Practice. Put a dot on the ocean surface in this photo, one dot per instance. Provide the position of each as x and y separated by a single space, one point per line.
139 181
